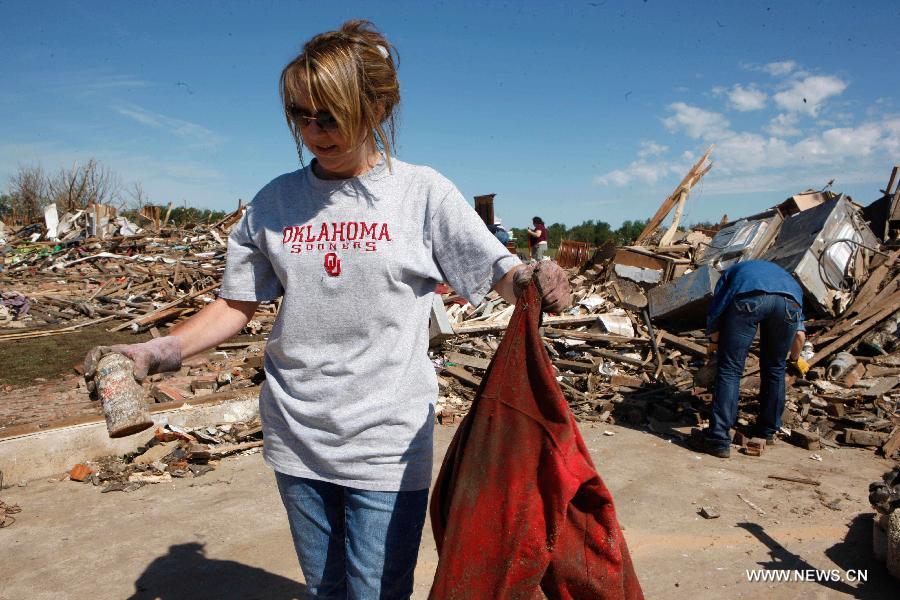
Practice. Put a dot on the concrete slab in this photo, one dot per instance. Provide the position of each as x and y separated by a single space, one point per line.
44 453
225 536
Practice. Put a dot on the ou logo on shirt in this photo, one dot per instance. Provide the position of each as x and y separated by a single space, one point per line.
332 264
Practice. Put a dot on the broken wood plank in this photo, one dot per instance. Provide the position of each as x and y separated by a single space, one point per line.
870 287
693 175
873 371
615 356
560 320
165 307
226 449
439 327
590 336
795 479
857 332
52 332
859 437
892 444
160 316
629 381
889 296
468 361
573 391
683 344
464 376
576 365
884 385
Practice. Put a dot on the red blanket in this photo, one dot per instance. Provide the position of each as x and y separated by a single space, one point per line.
518 508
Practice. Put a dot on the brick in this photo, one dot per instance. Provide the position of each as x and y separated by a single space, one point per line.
203 382
163 392
740 439
255 362
805 439
756 446
80 472
853 376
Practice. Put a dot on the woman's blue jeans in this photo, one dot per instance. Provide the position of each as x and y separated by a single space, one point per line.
354 543
777 318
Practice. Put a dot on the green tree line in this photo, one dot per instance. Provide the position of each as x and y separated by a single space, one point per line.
593 232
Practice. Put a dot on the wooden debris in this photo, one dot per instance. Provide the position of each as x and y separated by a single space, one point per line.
805 439
708 512
795 479
859 437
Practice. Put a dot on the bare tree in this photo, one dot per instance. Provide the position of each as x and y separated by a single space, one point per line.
79 186
137 195
29 193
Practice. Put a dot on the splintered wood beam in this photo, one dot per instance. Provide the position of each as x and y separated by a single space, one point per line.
857 331
149 316
692 177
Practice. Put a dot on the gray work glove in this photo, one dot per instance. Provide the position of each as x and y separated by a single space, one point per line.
551 281
159 355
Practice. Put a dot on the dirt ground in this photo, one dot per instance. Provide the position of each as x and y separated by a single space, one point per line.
51 357
225 536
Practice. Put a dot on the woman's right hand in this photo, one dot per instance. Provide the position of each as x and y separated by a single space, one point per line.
158 355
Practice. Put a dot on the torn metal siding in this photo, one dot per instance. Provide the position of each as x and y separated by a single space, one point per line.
683 302
742 240
803 239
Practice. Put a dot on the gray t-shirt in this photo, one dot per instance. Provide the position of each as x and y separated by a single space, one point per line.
349 392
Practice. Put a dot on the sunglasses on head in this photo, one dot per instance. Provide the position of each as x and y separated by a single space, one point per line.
324 119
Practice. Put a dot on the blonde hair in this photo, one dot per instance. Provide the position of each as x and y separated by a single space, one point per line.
351 74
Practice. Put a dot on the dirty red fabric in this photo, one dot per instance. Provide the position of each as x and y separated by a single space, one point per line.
518 510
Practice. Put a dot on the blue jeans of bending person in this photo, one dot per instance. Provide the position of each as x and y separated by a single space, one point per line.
777 317
354 543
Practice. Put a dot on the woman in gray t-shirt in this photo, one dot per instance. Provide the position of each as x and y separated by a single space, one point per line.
353 244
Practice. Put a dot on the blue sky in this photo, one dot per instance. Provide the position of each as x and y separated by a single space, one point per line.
568 110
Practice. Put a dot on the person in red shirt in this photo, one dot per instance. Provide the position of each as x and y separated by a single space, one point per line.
537 238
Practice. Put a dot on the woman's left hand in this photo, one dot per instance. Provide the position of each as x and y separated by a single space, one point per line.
551 281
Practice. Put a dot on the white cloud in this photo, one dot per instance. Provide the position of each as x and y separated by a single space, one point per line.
747 98
853 141
745 151
807 95
796 144
784 125
773 162
695 122
651 148
195 134
892 135
639 170
780 68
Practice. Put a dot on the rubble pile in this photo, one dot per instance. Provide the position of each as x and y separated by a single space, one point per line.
634 350
631 350
233 366
56 282
171 452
